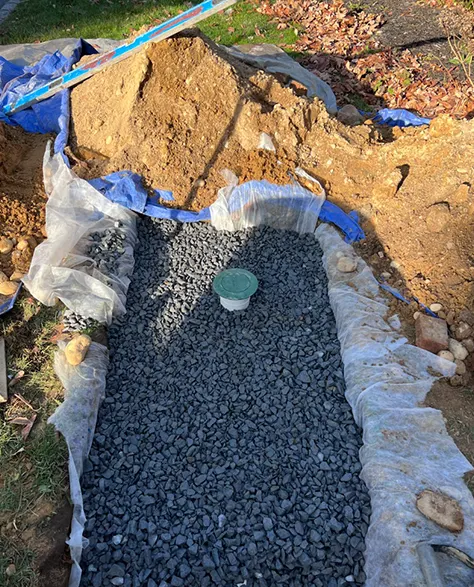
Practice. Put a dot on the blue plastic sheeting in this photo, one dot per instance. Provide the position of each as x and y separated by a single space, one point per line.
48 116
396 294
399 117
347 223
126 188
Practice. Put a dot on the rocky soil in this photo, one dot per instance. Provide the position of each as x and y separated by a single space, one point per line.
22 199
225 451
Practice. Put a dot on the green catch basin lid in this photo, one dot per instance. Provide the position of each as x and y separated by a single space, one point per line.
235 284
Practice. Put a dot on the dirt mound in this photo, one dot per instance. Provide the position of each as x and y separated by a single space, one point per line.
22 196
182 110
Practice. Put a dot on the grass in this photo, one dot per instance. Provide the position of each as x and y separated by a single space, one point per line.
22 559
40 20
36 467
32 471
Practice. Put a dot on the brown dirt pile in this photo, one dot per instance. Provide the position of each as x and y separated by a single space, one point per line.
22 197
182 110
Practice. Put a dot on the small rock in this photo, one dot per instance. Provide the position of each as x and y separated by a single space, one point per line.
436 307
116 571
6 245
347 264
431 333
267 524
416 314
396 265
438 217
460 367
22 244
450 317
388 186
77 348
3 277
10 570
386 274
17 276
469 344
8 288
459 351
456 381
448 355
441 509
467 316
349 114
463 330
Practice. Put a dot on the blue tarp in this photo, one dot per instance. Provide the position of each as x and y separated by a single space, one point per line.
48 116
125 187
399 117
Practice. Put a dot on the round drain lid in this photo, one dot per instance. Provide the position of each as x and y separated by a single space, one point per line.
235 284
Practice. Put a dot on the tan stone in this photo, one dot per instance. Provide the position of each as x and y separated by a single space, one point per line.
22 244
347 264
8 288
460 367
76 349
17 276
6 245
441 509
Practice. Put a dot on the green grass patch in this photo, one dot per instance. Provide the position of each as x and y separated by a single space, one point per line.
40 20
35 468
22 559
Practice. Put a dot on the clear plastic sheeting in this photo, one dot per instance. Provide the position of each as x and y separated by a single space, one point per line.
75 419
273 59
61 267
255 203
406 446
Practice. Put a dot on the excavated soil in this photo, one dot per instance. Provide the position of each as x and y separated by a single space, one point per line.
178 113
22 196
181 111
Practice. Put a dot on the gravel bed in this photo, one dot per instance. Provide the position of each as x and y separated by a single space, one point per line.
225 452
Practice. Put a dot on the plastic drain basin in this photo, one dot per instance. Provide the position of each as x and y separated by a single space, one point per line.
235 286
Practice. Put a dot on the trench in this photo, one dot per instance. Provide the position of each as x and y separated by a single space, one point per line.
225 452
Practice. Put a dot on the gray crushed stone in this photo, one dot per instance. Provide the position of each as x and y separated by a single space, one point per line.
225 452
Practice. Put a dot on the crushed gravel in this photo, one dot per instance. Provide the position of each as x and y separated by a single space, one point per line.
225 452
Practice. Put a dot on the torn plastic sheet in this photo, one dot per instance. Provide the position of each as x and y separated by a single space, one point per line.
406 446
61 267
75 419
